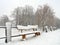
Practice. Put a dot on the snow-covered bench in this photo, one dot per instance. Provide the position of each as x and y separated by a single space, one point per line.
20 27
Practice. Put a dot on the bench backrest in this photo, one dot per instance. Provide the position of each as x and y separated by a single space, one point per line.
27 27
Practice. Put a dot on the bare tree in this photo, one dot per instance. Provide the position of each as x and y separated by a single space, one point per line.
38 16
27 14
17 14
57 22
23 15
3 20
45 16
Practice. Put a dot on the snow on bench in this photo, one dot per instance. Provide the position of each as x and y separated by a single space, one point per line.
29 27
21 28
33 27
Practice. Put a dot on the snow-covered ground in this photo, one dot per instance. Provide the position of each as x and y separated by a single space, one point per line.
49 38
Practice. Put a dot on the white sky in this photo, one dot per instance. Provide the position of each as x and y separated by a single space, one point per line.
7 6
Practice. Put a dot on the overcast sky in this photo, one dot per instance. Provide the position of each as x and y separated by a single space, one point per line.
7 6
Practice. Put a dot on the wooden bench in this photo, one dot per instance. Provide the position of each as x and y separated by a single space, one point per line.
29 27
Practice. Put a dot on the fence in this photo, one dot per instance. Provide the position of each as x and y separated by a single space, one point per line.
8 32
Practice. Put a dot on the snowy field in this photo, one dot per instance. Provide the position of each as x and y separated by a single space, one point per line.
49 38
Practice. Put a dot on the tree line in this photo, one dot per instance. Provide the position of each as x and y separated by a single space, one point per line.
43 16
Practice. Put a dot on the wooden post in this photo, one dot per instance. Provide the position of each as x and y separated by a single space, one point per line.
23 36
21 30
37 33
8 32
6 35
36 29
33 29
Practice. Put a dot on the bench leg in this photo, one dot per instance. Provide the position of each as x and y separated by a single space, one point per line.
33 29
37 33
23 36
36 29
21 30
